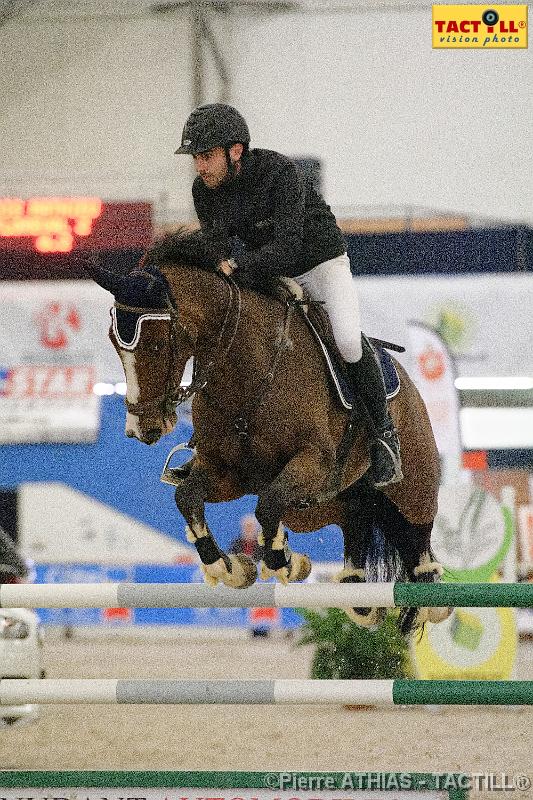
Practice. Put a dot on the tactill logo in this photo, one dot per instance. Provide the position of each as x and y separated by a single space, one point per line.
476 26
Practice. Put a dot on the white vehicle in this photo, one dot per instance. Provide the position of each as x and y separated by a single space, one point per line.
21 639
21 642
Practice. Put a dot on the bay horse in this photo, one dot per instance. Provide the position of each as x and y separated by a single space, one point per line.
265 423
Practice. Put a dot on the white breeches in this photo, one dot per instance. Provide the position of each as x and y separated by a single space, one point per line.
333 282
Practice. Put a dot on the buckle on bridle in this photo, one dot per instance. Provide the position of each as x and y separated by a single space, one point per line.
241 426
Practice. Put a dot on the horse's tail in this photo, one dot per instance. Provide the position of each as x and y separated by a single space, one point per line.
381 540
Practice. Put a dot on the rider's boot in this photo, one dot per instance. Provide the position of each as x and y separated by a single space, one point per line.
368 385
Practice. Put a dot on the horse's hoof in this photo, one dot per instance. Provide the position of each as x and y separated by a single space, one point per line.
243 573
370 621
435 615
213 572
369 618
298 569
350 575
281 575
430 572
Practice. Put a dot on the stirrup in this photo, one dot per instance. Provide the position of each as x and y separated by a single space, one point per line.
175 475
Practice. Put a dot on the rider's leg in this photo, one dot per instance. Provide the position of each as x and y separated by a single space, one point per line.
367 380
333 283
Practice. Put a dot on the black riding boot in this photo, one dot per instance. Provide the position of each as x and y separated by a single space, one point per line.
368 385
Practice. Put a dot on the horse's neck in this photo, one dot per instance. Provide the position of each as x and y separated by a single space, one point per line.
199 296
208 306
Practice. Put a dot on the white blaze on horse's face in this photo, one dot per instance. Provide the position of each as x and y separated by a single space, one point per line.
143 343
132 393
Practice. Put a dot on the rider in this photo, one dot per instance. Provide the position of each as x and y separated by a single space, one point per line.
285 228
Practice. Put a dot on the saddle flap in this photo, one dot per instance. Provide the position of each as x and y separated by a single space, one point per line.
319 324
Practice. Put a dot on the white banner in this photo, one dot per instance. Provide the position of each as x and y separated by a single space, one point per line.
48 404
57 323
433 372
60 524
485 320
53 349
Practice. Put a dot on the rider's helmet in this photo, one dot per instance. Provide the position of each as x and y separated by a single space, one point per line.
213 125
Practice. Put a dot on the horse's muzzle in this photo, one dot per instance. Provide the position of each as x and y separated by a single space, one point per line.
152 436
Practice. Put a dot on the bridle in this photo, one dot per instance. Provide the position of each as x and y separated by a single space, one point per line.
164 403
173 393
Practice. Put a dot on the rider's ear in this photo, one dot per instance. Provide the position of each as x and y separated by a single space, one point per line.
235 152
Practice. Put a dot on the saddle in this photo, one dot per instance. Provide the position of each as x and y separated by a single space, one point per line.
318 323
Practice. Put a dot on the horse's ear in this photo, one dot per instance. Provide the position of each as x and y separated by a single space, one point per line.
139 289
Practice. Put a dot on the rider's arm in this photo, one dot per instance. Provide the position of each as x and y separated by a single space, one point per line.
216 234
284 248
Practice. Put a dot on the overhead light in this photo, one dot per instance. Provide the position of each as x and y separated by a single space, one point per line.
494 383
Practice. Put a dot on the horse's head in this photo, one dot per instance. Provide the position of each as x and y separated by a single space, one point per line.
153 347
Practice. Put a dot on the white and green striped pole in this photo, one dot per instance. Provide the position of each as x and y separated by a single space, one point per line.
267 595
265 692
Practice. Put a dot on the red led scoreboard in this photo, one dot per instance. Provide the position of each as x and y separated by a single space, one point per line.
47 237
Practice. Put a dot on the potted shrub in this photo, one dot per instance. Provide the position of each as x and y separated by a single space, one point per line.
344 651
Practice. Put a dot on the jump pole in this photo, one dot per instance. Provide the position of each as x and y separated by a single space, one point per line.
265 692
266 595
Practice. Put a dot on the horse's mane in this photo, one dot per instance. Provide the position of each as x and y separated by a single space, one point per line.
198 249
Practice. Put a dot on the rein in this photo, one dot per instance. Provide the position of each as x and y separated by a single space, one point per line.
200 375
241 422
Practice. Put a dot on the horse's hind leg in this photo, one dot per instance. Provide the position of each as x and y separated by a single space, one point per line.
204 485
298 483
413 543
357 530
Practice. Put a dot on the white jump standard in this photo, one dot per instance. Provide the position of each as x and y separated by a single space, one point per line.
267 595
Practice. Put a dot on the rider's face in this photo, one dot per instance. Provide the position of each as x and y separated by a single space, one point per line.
211 165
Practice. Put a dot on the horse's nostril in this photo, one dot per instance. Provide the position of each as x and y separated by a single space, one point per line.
152 435
130 434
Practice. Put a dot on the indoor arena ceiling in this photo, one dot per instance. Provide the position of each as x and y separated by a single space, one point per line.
18 11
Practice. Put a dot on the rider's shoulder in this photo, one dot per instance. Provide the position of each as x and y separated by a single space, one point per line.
270 160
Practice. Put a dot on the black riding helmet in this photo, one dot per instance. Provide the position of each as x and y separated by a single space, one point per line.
213 125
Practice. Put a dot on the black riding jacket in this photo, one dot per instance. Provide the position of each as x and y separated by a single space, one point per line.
272 208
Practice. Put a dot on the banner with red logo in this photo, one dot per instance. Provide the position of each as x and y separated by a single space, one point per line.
433 372
53 350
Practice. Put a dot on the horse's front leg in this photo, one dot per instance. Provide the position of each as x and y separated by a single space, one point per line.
205 484
296 485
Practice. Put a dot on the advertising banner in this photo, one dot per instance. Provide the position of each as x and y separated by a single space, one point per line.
53 350
433 372
157 785
485 320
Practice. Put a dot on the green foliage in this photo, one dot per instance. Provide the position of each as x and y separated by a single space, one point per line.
345 651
